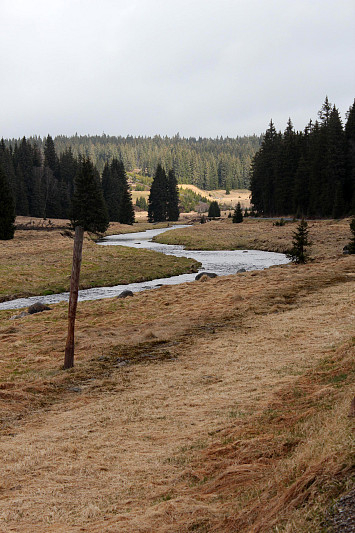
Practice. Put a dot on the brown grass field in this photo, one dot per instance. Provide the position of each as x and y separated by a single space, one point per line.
216 406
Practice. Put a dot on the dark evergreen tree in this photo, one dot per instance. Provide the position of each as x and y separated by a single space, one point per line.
264 172
349 184
286 171
300 242
214 210
238 214
7 210
172 207
112 190
126 215
68 167
157 203
351 245
142 203
116 193
88 206
50 157
333 188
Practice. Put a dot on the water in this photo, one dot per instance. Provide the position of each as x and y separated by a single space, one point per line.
222 263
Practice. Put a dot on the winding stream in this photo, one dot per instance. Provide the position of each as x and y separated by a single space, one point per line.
221 262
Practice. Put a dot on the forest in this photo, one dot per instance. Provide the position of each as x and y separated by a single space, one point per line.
309 173
206 163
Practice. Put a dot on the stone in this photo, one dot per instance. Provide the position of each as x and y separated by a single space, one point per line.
37 307
125 294
208 274
241 270
22 314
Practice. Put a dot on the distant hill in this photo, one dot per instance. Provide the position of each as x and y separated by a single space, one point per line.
207 163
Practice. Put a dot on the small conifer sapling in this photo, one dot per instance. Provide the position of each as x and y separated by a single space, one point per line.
300 242
237 215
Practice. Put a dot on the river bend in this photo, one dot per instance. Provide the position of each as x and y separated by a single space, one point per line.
221 262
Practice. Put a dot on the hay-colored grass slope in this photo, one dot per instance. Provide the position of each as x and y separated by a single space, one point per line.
230 200
215 406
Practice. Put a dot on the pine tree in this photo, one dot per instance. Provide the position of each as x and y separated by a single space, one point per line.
157 203
214 210
50 156
88 206
116 192
7 211
126 215
172 197
286 170
300 242
349 185
237 215
112 189
264 172
68 167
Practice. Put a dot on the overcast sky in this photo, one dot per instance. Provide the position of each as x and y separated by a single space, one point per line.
197 67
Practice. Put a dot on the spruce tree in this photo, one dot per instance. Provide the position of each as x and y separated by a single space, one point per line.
157 203
50 156
116 193
88 206
126 210
7 210
300 242
172 197
214 210
238 214
349 185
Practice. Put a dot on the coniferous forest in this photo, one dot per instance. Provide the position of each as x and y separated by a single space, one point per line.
309 173
206 163
42 184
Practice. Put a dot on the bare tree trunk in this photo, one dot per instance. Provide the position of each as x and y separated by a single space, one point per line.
73 298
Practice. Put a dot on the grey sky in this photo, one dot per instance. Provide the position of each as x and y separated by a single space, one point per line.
197 67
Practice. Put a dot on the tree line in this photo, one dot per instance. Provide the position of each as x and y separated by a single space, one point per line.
309 173
42 184
221 163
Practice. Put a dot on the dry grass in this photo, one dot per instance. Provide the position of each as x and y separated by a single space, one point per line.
328 236
236 195
217 406
39 262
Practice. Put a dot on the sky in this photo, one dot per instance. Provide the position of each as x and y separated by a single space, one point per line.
160 67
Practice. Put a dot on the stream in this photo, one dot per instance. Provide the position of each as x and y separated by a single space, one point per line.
221 262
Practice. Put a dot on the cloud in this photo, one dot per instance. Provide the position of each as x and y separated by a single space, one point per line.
199 67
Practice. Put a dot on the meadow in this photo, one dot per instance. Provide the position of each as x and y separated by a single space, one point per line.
218 405
38 262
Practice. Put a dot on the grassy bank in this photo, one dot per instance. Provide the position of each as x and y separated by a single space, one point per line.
328 236
39 262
